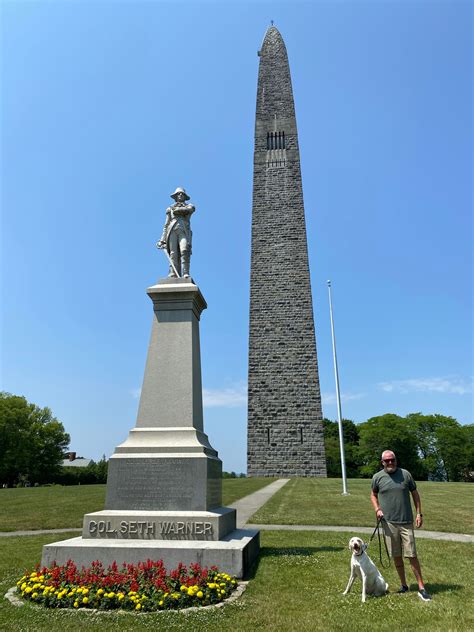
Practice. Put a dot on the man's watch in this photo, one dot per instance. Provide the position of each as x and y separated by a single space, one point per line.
419 514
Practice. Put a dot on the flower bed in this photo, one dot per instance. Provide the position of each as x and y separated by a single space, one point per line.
145 587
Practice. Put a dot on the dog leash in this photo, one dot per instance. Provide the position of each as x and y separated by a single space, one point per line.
377 530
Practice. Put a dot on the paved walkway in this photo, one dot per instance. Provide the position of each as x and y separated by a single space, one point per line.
7 534
428 535
248 505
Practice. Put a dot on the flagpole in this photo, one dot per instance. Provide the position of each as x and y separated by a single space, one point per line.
338 398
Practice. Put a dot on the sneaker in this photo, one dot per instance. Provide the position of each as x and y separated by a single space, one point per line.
402 590
422 594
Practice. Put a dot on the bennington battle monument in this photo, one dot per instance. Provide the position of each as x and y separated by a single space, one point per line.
285 436
164 484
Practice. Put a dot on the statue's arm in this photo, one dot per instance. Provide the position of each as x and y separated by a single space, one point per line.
162 241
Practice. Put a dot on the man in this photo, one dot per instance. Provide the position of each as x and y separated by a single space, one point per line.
177 234
390 498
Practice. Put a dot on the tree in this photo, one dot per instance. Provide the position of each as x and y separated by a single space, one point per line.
101 469
439 443
389 432
456 449
350 434
32 441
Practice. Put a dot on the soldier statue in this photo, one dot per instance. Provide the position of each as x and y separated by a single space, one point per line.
177 234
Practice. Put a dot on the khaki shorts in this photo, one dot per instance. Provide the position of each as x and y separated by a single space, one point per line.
400 536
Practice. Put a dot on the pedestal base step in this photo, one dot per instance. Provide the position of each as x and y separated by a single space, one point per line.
234 554
159 525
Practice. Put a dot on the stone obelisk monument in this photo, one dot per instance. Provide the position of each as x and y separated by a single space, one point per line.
285 435
164 485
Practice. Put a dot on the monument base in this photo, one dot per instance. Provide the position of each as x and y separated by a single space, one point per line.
234 554
164 483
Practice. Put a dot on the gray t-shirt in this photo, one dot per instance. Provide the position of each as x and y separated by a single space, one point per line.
393 492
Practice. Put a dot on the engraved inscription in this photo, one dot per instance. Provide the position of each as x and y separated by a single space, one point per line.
166 530
101 527
140 527
140 485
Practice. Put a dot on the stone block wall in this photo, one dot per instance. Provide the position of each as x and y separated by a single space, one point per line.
284 403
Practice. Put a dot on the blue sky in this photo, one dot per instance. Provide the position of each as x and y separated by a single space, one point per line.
107 107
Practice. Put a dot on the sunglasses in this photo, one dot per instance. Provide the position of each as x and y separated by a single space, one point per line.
389 460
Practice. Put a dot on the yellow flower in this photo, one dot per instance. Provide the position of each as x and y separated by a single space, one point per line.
111 594
34 595
100 591
138 606
183 588
76 604
121 596
200 594
160 603
41 578
23 586
28 589
85 600
222 592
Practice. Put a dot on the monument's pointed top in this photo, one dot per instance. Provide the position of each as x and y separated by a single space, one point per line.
272 42
272 34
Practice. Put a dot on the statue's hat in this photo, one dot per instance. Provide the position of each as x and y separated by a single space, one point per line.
180 190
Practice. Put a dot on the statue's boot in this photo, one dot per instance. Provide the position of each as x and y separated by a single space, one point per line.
185 265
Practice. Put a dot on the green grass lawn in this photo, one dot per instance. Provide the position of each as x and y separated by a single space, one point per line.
446 506
297 585
318 501
64 507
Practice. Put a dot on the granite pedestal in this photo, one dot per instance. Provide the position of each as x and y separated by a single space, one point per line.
164 485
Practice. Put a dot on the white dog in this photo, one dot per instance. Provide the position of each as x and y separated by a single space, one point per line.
362 566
